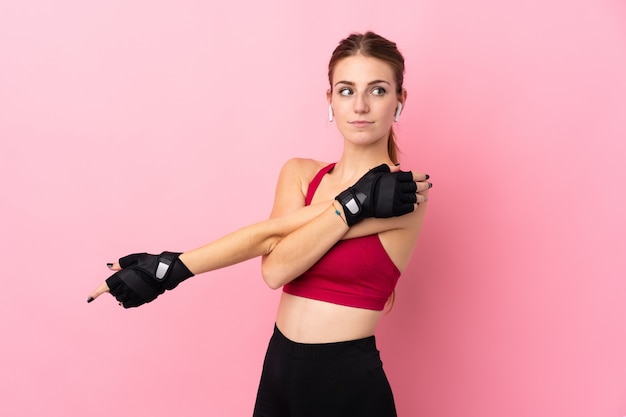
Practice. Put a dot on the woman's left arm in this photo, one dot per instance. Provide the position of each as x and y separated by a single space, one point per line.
296 252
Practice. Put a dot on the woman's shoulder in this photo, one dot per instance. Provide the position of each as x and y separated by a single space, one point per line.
293 183
303 168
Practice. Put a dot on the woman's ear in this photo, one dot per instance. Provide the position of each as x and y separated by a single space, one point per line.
402 98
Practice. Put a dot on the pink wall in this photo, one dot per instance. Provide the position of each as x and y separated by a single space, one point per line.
153 125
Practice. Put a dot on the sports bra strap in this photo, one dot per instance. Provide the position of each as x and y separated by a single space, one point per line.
315 182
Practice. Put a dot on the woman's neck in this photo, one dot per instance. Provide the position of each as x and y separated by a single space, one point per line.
356 162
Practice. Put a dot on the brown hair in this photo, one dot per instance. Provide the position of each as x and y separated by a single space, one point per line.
372 45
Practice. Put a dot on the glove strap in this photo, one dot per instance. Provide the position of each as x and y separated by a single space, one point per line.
349 202
351 205
165 262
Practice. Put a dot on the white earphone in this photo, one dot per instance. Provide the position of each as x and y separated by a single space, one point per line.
330 113
398 111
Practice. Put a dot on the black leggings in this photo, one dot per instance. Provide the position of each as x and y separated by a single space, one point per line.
341 379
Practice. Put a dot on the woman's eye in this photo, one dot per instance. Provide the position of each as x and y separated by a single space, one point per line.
378 91
345 92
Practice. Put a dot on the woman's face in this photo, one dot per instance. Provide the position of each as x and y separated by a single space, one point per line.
363 98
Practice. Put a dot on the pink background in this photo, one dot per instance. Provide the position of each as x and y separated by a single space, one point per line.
160 125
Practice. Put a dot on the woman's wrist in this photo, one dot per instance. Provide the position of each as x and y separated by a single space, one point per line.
339 212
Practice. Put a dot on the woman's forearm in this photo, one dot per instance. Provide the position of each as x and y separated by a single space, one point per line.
248 242
299 250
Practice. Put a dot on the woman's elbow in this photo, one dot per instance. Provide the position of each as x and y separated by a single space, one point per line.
271 275
272 270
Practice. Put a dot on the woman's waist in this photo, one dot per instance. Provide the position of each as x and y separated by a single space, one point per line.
306 320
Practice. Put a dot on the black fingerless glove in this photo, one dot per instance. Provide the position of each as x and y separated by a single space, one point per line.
379 193
144 277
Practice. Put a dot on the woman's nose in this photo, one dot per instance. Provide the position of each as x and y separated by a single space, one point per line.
360 104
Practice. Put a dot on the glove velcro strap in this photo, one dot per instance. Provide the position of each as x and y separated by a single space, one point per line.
166 269
170 270
163 265
351 205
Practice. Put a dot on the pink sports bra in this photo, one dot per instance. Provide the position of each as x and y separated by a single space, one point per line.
355 272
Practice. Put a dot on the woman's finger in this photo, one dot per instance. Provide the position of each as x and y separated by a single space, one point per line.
115 266
423 186
417 176
98 291
420 176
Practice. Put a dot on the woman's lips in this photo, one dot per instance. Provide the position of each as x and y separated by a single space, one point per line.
361 123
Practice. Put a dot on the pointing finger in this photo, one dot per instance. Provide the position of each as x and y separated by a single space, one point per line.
98 291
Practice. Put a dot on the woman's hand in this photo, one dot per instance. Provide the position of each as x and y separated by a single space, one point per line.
142 277
382 194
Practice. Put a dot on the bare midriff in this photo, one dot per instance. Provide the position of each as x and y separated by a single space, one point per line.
305 320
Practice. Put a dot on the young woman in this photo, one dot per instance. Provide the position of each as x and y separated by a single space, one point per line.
337 240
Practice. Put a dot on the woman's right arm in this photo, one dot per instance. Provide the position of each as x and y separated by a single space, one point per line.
248 242
258 239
